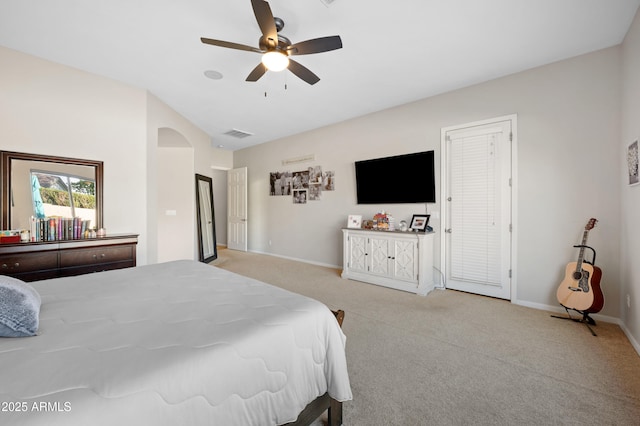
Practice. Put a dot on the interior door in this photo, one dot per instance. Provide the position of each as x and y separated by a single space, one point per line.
237 209
477 207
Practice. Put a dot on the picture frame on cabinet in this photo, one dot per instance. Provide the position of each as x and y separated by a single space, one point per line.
419 222
354 221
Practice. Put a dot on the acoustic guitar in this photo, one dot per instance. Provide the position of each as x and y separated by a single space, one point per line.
580 288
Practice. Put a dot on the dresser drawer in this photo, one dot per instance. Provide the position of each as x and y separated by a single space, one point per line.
13 264
52 259
97 255
89 269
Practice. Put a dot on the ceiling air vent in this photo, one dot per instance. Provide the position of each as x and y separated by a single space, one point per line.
240 134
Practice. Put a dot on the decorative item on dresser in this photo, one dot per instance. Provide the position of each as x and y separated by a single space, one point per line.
52 259
394 259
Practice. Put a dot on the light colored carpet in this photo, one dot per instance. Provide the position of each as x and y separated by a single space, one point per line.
453 358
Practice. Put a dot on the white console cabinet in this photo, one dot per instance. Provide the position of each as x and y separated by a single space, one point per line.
400 260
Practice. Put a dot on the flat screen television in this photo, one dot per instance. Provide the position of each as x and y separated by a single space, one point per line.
408 178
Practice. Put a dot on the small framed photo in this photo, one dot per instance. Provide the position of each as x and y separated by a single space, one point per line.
419 222
354 221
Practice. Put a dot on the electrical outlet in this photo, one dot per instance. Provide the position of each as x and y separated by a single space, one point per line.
628 301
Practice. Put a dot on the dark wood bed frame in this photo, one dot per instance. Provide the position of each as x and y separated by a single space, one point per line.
323 402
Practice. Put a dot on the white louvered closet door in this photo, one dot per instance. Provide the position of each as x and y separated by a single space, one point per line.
478 209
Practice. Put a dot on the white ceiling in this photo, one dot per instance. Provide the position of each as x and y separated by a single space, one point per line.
394 51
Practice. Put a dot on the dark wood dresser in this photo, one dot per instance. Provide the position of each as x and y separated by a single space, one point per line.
43 260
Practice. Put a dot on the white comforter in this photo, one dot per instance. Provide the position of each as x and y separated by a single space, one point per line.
178 343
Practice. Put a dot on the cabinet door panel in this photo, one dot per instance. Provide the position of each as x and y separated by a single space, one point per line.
357 253
379 256
405 265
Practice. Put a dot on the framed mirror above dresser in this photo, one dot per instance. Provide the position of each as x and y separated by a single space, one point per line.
24 174
60 200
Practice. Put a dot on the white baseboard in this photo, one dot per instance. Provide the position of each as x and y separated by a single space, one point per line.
633 341
560 309
326 265
598 317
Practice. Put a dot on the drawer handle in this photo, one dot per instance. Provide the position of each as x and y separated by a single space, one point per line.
15 265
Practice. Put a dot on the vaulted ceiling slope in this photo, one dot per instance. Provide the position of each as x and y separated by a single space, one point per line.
393 52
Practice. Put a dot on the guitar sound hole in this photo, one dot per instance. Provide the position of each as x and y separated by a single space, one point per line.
577 275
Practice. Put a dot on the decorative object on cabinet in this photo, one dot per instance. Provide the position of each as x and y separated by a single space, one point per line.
17 171
399 260
354 221
52 259
383 221
206 221
419 222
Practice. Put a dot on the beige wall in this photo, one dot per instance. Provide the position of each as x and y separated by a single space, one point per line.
568 171
220 205
176 204
47 108
630 231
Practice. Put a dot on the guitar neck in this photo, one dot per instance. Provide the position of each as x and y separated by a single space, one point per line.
585 235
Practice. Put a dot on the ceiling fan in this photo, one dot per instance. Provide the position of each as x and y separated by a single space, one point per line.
276 48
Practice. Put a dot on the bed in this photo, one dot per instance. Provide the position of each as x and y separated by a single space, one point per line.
176 343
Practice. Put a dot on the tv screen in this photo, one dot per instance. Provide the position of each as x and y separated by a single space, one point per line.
408 178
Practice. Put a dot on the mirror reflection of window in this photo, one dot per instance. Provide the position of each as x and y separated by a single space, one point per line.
59 194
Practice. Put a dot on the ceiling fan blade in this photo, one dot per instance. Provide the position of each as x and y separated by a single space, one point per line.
303 72
316 45
267 24
257 73
230 45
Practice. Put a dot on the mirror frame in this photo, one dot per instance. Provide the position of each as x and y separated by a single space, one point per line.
199 206
5 174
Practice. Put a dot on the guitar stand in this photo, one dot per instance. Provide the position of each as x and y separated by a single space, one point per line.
586 319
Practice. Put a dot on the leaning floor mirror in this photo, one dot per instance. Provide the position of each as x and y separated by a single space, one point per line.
206 222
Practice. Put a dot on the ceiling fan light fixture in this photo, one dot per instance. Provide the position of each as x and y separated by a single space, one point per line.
275 60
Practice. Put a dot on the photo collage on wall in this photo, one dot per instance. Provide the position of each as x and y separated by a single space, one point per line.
303 185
